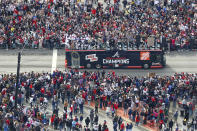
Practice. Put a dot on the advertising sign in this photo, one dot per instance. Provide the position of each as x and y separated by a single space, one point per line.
116 59
145 55
91 57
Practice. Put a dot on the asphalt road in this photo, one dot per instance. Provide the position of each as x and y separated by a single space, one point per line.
41 61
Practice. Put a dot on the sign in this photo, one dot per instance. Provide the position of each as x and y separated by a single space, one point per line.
116 59
91 57
151 74
144 55
116 55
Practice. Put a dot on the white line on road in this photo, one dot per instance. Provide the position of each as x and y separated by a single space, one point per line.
54 60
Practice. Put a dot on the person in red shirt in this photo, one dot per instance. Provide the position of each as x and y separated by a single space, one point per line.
41 100
161 122
52 119
106 129
93 11
173 43
113 73
161 113
137 120
71 111
122 127
42 90
31 86
115 107
43 30
15 11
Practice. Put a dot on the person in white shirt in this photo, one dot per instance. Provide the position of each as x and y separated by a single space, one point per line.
45 101
95 127
107 110
67 38
89 100
31 101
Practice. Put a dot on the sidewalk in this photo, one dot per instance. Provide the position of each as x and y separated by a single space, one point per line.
180 119
147 127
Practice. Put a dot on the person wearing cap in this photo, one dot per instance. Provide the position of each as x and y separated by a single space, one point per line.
127 127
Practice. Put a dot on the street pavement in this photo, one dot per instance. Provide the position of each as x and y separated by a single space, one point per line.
101 115
41 61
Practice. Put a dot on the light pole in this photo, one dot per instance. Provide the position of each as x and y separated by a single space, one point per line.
17 79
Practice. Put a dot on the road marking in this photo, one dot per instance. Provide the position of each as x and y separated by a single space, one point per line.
54 60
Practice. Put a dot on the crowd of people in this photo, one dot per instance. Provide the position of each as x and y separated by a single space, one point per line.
139 24
143 99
